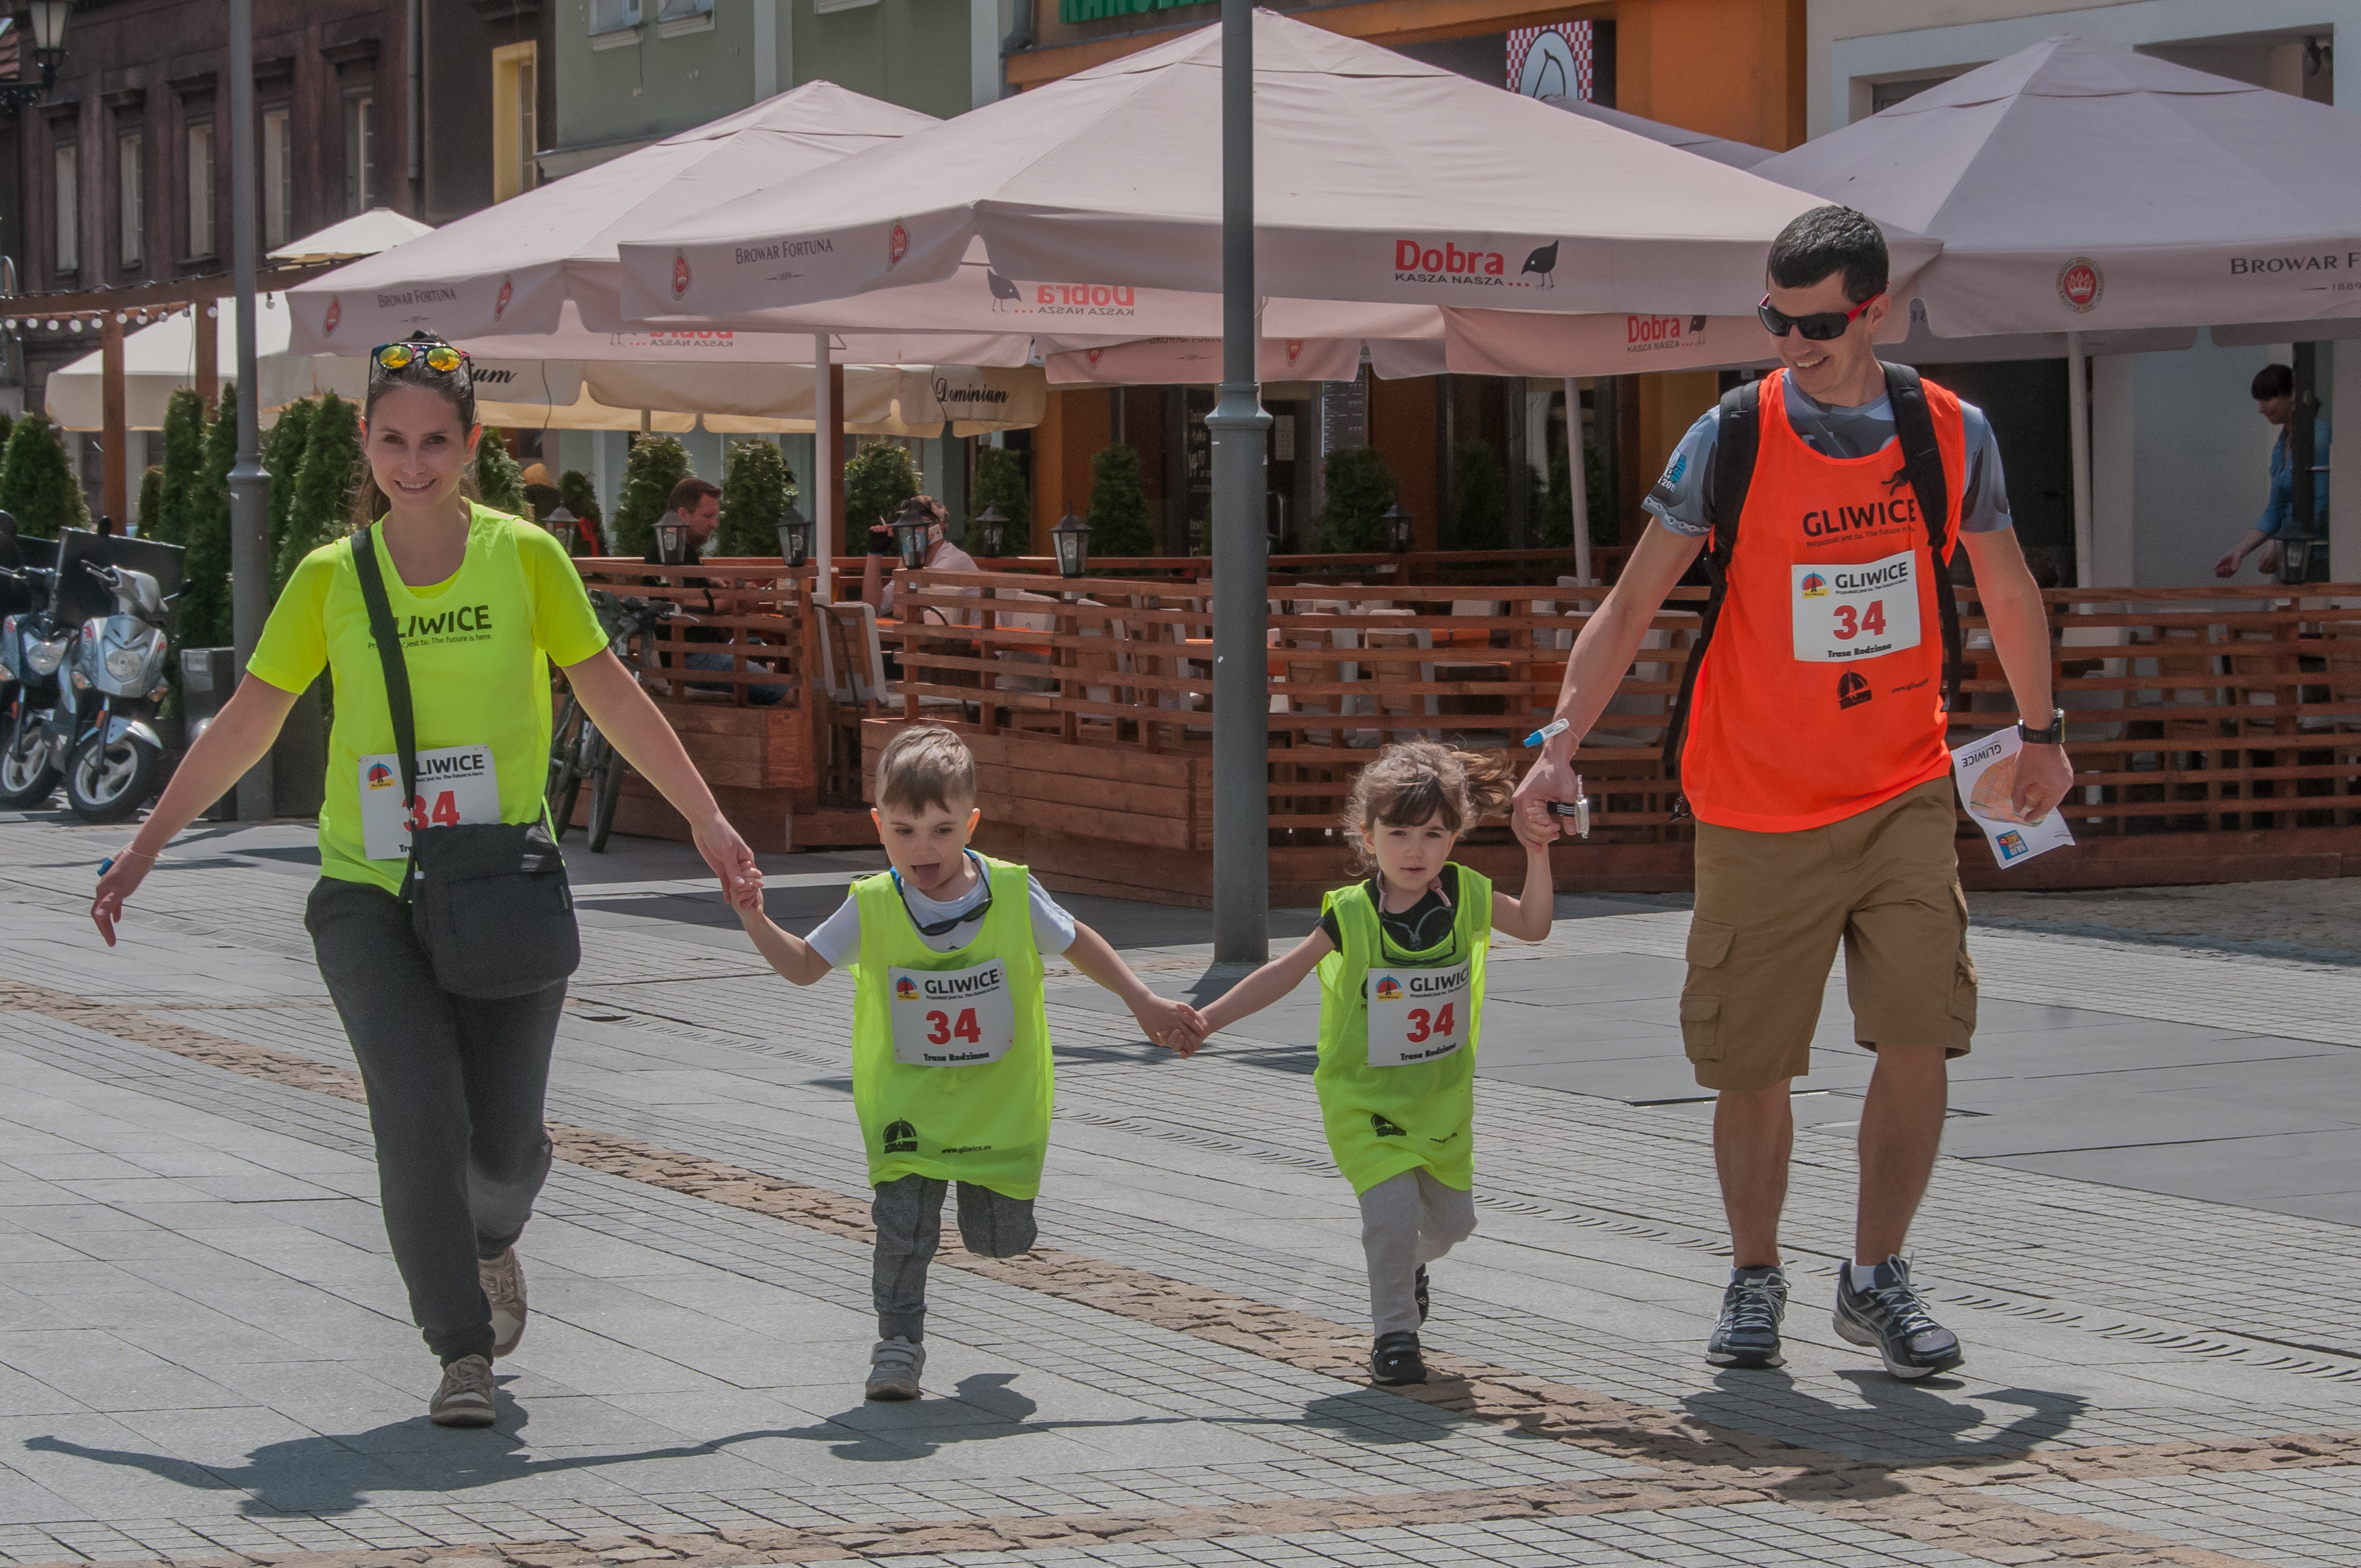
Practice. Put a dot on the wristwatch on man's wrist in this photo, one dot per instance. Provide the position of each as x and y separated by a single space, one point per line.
2054 735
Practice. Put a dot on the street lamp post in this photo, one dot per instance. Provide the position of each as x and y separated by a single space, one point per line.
249 482
46 32
1239 428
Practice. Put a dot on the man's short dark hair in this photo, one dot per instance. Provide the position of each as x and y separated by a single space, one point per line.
686 495
2272 381
1831 239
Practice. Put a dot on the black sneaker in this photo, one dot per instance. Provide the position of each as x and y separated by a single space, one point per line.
1890 1316
1419 1290
1396 1360
1748 1333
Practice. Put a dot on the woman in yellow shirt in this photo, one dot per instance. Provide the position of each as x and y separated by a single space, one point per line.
483 603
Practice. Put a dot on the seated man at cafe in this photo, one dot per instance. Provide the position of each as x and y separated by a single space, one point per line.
942 556
696 505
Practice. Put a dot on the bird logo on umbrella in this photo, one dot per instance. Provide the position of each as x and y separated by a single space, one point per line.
1543 260
1004 292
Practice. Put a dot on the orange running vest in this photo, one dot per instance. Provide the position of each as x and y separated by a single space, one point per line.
1821 693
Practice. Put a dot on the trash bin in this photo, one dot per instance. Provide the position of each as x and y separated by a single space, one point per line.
207 677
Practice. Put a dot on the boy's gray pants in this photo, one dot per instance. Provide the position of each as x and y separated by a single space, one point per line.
909 1213
1408 1221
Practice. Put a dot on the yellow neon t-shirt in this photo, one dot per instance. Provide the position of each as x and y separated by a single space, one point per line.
478 644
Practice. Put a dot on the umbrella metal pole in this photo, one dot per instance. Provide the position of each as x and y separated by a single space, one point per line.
2078 416
823 491
1238 428
1578 480
249 482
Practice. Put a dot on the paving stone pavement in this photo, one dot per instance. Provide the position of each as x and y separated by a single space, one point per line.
203 1348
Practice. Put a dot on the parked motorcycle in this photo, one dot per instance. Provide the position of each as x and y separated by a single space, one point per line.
33 654
117 679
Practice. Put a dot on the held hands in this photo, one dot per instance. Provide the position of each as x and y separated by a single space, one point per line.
1177 1026
731 860
1547 780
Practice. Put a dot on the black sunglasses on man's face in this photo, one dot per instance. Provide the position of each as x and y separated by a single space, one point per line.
1819 327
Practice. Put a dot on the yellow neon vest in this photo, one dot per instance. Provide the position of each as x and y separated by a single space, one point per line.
1382 1121
987 1123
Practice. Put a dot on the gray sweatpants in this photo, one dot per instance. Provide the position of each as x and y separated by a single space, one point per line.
1408 1221
909 1213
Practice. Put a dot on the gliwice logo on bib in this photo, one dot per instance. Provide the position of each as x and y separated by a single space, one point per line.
1852 690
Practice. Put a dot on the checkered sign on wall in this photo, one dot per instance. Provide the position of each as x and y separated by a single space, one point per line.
1556 61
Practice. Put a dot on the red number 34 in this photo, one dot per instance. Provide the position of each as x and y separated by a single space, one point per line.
1871 621
941 1031
1423 1024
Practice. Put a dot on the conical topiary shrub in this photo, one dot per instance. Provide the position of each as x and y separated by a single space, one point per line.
1000 482
877 480
151 499
1359 489
184 458
204 609
498 478
321 494
36 485
1479 498
1119 517
282 456
657 463
577 495
755 487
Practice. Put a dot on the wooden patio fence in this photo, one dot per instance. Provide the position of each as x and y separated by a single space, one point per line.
2214 730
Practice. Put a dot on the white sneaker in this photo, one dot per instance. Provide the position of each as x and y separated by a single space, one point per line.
502 1279
464 1399
893 1368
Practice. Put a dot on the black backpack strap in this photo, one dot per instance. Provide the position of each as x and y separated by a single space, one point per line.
1735 442
1922 460
389 653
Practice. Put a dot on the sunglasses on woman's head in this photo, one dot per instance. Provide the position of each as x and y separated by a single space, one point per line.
1819 327
440 357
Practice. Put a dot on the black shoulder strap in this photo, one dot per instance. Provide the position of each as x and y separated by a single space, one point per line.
1922 460
1738 437
389 653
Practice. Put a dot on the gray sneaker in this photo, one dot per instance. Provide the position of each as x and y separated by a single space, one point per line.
893 1368
1890 1316
502 1279
1747 1334
464 1399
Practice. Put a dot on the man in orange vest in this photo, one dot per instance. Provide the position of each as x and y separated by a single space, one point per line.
1814 759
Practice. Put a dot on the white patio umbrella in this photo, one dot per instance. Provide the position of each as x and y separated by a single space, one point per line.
363 234
1737 154
1380 179
2079 189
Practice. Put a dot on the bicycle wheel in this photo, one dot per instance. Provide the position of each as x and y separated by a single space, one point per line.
606 790
565 767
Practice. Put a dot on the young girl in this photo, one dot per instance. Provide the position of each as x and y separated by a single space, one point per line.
1402 996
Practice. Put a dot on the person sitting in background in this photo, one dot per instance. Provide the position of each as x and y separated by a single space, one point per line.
695 504
942 556
2274 394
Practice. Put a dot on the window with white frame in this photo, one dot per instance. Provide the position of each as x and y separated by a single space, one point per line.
200 189
130 199
69 207
360 153
277 178
613 15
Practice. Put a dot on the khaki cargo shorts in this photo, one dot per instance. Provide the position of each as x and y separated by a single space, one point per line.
1770 909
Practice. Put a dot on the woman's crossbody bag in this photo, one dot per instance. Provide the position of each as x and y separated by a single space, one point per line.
488 900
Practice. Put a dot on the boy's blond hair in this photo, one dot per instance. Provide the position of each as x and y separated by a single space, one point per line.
926 765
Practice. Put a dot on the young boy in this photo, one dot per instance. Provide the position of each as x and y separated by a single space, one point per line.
950 1042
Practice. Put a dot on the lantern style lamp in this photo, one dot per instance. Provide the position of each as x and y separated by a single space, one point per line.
45 34
991 531
794 536
560 524
672 541
910 533
1072 539
1397 530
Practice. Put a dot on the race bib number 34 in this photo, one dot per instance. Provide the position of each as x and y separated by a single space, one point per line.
456 784
1856 611
1417 1015
961 1018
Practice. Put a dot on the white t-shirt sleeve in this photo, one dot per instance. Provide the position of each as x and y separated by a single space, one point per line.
1053 928
838 937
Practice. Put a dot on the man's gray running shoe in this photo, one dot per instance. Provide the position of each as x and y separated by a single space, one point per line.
1747 1334
1890 1316
465 1398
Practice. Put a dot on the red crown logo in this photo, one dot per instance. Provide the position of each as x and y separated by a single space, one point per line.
679 273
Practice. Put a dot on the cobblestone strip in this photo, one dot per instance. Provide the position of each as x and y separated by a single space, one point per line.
1705 1464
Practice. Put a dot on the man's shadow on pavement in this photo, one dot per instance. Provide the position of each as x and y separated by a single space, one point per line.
327 1474
1941 1429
